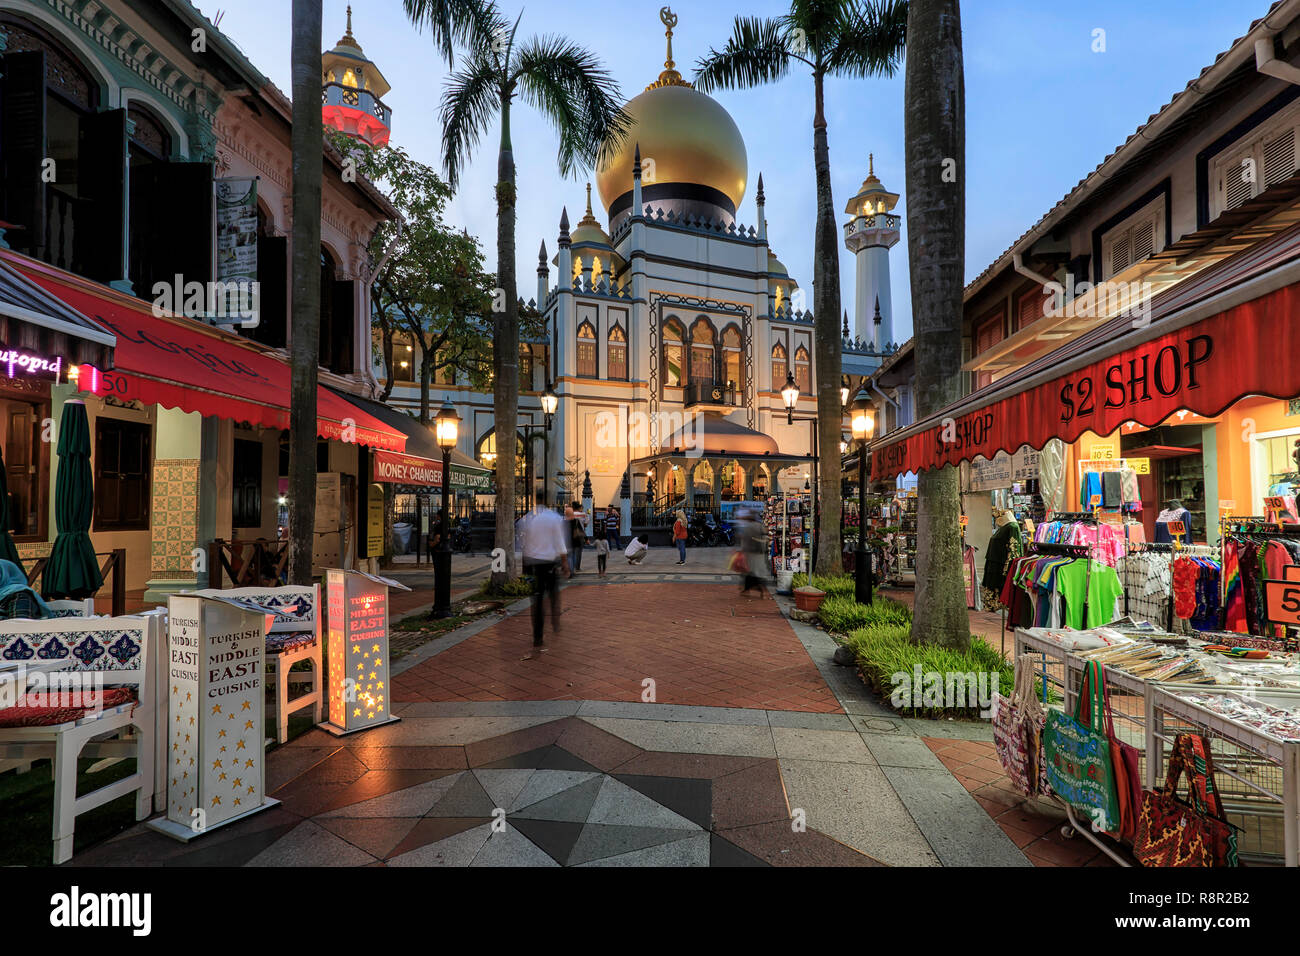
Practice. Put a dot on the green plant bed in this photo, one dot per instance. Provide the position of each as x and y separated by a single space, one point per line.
890 664
514 588
841 613
832 584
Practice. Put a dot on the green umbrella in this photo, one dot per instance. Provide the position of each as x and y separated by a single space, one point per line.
72 571
7 550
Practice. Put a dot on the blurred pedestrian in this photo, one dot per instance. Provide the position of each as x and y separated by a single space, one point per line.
748 551
577 537
679 536
544 544
602 555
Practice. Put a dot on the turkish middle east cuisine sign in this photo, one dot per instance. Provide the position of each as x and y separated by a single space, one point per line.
357 606
216 710
1203 367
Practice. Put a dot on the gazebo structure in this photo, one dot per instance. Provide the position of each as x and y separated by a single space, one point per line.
723 455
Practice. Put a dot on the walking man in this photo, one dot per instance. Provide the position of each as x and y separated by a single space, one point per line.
544 544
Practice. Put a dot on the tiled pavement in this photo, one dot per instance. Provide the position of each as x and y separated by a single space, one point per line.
1033 825
700 644
712 778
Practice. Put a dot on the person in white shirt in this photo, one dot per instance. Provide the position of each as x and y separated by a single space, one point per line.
637 549
544 544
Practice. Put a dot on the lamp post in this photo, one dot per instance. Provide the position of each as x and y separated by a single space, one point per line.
550 401
864 425
790 395
446 426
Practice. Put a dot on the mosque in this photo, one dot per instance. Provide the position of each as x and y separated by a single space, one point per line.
673 331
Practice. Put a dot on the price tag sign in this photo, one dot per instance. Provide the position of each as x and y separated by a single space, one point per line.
1282 599
1227 507
1274 503
965 520
1105 452
1141 466
1096 501
1177 528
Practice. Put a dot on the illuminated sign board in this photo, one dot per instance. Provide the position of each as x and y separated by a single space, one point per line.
16 362
359 692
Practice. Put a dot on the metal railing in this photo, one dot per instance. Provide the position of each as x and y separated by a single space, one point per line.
113 570
247 564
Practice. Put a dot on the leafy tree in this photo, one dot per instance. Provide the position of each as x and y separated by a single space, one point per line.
853 38
935 134
567 84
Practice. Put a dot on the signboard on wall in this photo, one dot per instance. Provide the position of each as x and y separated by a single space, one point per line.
1003 471
237 242
375 520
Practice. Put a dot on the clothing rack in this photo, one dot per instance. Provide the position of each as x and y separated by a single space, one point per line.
1069 550
1086 517
1245 527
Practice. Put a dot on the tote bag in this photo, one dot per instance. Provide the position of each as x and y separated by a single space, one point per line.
1124 761
1171 832
1017 729
1077 754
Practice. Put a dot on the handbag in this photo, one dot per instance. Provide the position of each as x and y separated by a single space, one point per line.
1124 760
739 564
1172 832
1079 766
1017 729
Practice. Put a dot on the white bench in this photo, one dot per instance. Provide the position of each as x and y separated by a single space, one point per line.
105 651
294 636
84 608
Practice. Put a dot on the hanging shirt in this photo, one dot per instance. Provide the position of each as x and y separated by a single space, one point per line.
1103 589
1090 486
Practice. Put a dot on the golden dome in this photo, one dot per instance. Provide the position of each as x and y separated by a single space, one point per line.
685 138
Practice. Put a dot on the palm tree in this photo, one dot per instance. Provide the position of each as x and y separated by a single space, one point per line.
855 38
308 149
567 84
935 135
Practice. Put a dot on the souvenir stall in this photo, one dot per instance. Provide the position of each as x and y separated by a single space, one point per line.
788 524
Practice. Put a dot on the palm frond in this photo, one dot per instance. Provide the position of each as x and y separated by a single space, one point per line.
474 24
871 41
471 98
567 84
758 52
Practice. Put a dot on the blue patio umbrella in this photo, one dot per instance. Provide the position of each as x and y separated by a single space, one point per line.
72 571
8 551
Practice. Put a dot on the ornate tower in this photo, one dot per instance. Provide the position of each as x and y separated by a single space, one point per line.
352 86
870 234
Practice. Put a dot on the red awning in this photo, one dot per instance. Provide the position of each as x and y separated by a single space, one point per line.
1188 356
179 363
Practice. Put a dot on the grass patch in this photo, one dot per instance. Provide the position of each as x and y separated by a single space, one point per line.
422 622
842 614
886 650
838 585
514 588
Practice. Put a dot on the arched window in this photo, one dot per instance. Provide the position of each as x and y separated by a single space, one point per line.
779 367
733 366
674 373
486 452
148 134
336 308
702 342
802 376
617 359
586 351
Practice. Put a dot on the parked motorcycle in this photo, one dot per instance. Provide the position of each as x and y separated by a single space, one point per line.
703 531
460 537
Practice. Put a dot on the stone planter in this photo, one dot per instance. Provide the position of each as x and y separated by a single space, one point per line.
809 599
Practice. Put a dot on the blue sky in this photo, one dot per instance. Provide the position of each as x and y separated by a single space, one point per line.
1042 108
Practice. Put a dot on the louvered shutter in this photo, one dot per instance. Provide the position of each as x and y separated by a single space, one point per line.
1144 240
22 149
1238 185
1279 158
1121 253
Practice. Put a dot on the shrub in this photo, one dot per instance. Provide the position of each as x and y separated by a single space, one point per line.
843 614
514 588
837 584
886 650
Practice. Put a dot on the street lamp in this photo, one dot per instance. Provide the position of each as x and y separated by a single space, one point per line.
446 429
844 397
864 425
550 401
790 395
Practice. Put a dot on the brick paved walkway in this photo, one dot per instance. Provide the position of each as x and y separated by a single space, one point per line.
702 644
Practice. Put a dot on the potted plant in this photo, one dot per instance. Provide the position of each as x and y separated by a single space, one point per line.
809 598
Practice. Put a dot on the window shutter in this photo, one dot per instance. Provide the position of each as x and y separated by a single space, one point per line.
341 325
22 148
273 290
1144 240
102 184
1121 253
1279 158
187 251
1237 185
1033 303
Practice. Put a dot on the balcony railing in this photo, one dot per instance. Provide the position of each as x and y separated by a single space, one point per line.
336 94
708 392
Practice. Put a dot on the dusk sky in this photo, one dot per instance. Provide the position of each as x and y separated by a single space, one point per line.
1042 108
